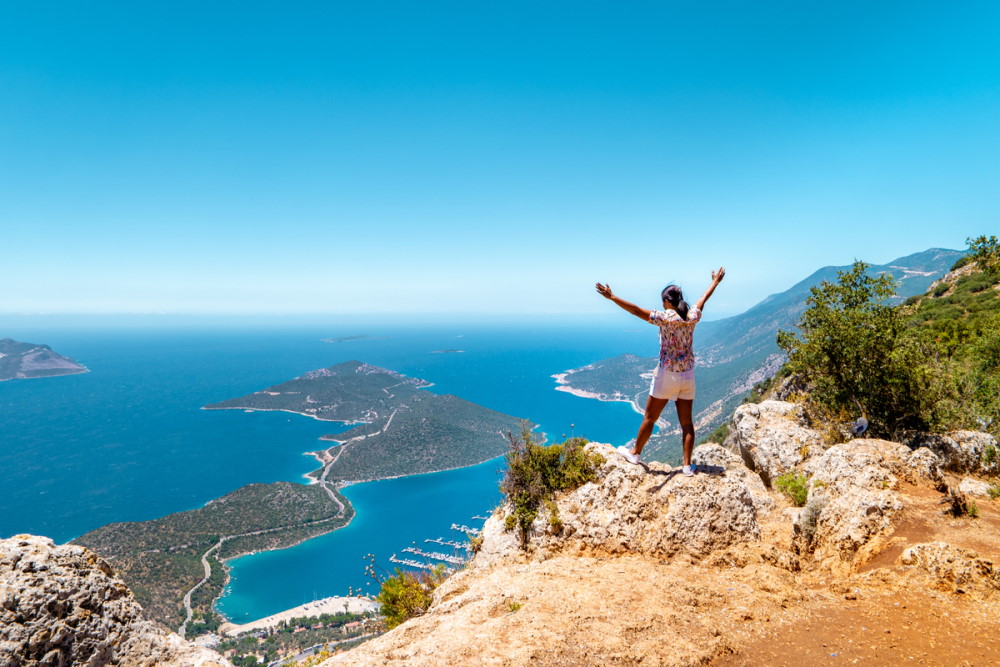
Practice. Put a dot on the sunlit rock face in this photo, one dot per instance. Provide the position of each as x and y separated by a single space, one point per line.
63 605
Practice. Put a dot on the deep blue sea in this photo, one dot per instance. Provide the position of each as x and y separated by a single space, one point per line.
129 442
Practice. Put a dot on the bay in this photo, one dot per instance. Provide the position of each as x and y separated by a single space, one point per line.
128 441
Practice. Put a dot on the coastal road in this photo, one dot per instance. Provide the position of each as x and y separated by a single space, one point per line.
188 611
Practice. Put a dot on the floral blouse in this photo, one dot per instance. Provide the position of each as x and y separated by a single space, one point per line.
676 337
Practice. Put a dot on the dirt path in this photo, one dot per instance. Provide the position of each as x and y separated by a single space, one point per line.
910 627
877 623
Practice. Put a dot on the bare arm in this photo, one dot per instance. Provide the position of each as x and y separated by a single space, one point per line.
717 277
627 306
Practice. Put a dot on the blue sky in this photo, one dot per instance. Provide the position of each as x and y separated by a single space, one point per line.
470 157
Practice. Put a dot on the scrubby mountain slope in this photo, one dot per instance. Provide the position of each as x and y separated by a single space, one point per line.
737 352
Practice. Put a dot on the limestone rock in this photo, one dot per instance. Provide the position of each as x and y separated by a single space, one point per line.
712 458
953 568
63 605
649 509
974 487
872 464
852 500
772 437
922 467
963 451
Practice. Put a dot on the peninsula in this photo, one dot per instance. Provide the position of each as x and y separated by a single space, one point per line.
24 361
176 564
403 429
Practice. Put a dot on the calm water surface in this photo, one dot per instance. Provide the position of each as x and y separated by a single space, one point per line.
128 441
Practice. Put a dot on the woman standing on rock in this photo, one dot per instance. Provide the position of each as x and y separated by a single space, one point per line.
673 379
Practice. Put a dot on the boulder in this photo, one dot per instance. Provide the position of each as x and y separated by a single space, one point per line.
712 458
852 500
63 605
963 451
873 464
953 568
639 509
772 438
974 487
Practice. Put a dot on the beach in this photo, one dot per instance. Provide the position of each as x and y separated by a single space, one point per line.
331 605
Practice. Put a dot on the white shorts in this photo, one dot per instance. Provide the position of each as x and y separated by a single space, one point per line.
672 386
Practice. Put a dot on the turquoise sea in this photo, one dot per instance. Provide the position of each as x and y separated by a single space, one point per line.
128 441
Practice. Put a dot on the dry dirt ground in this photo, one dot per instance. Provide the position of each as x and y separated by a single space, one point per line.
886 616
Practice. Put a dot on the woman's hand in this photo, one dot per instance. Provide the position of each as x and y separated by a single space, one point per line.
605 291
717 277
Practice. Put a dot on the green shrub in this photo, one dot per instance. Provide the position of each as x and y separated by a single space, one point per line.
972 510
859 356
794 485
719 435
535 473
994 491
407 594
986 251
990 455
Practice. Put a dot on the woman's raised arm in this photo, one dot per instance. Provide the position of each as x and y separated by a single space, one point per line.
717 277
627 306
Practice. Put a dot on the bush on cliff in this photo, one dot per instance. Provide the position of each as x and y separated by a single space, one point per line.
860 357
408 594
794 485
535 473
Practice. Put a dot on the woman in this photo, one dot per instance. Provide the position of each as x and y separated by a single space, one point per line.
673 379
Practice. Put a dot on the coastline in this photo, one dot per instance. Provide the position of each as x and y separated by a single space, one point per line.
81 371
340 487
563 385
346 422
331 605
226 568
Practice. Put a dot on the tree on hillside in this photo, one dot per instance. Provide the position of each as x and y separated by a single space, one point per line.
860 358
985 250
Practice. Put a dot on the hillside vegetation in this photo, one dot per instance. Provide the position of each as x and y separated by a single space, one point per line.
160 560
930 364
736 353
23 361
427 433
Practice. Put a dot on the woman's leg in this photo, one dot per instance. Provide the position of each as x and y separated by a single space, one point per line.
687 427
654 406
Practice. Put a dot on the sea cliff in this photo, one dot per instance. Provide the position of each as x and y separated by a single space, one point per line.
883 561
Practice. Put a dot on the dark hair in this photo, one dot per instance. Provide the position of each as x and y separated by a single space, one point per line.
672 294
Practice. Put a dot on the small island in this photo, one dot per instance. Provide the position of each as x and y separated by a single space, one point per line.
348 339
24 361
447 351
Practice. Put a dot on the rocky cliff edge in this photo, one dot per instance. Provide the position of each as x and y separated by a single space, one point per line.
63 605
645 566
